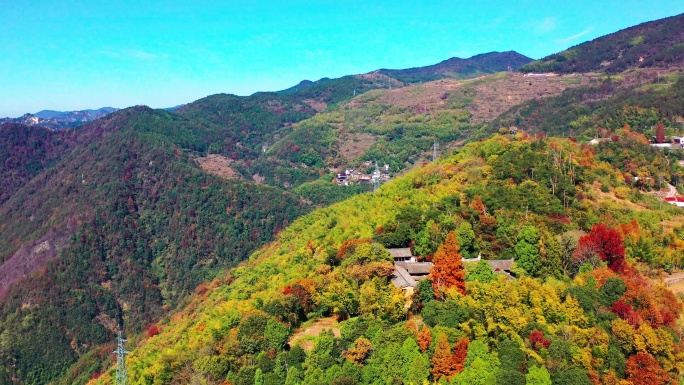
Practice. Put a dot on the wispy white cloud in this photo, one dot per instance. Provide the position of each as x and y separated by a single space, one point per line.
132 54
575 36
141 54
545 26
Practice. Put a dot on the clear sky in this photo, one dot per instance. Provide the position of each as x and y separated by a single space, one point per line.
78 54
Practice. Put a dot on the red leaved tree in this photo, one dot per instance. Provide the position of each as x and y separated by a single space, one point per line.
643 369
538 341
608 245
448 270
626 312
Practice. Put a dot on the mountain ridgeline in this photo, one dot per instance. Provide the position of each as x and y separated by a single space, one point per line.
654 44
141 218
458 68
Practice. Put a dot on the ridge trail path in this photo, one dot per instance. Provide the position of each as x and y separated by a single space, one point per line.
672 191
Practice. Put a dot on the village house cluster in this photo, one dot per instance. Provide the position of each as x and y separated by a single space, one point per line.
352 176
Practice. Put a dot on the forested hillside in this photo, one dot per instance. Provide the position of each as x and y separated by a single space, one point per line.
137 220
24 152
139 227
582 310
652 44
478 65
639 98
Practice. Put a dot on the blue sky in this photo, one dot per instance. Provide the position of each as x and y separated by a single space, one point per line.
89 54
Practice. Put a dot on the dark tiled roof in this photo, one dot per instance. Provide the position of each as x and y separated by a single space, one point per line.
409 273
404 252
419 268
402 278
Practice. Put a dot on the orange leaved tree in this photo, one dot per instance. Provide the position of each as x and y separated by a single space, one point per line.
424 338
643 369
448 270
460 354
442 360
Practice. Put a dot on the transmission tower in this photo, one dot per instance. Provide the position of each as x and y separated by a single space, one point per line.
376 177
435 146
121 373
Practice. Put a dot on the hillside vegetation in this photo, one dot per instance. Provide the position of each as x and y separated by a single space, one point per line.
657 43
396 127
138 219
138 226
478 65
638 98
579 311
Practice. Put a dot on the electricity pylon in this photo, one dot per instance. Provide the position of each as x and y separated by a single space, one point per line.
121 373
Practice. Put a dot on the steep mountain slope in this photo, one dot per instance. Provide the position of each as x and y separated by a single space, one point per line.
324 92
25 151
478 65
396 127
236 329
137 226
237 127
652 44
639 98
335 90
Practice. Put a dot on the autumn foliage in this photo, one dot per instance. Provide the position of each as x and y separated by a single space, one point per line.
460 354
442 361
607 244
643 369
626 312
152 330
359 351
448 270
349 245
538 341
424 338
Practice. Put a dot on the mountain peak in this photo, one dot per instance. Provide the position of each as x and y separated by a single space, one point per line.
455 67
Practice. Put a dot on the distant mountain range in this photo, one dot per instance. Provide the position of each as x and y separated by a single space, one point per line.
60 119
325 90
478 65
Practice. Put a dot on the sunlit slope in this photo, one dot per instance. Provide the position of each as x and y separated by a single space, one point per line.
489 184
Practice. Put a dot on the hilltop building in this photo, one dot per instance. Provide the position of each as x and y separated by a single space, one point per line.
408 271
